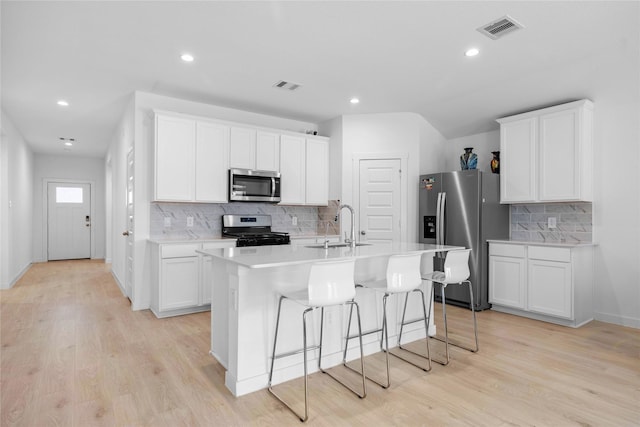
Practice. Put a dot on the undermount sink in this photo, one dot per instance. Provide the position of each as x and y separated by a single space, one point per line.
336 245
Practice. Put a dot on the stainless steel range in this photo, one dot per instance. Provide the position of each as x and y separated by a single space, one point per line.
252 230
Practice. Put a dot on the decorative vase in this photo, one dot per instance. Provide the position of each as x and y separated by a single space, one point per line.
468 159
495 162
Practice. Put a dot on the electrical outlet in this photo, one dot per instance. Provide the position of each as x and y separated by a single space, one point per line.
167 221
294 220
551 223
189 221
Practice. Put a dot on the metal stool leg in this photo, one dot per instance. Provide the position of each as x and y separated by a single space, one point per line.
385 337
364 387
426 326
444 317
306 379
444 314
475 324
275 340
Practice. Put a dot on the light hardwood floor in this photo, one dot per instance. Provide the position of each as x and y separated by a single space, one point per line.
74 354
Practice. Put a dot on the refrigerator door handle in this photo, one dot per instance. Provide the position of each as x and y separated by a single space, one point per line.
438 219
443 205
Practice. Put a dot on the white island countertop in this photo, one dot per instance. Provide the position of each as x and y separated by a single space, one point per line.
283 255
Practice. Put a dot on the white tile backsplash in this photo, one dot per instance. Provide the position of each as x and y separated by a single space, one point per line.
207 219
529 222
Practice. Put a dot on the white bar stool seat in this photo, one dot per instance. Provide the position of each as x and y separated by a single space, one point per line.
330 283
402 277
456 272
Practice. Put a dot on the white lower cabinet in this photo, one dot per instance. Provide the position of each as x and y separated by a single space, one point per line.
553 284
507 275
550 269
181 278
178 283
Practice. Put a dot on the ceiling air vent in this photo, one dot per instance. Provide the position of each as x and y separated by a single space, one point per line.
281 84
500 27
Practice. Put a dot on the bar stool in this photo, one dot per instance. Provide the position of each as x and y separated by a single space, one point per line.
403 277
456 272
330 283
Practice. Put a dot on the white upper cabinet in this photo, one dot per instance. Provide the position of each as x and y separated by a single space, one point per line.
174 158
242 150
191 160
304 169
547 155
317 172
254 149
193 156
292 170
517 165
267 151
212 164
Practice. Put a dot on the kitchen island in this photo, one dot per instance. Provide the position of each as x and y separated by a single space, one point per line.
247 282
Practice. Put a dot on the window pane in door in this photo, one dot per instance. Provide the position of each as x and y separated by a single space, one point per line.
69 195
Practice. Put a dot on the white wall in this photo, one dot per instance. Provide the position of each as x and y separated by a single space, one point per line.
483 144
433 149
68 168
116 180
16 204
616 207
407 134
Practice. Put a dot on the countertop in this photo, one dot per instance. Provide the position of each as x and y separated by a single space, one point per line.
283 255
550 244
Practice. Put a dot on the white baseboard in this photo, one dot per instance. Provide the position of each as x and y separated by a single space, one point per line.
115 277
18 276
631 322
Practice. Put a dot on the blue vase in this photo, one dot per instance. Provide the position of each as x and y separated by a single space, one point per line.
468 159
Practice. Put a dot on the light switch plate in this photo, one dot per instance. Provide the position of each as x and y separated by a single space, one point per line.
294 220
189 221
167 221
551 223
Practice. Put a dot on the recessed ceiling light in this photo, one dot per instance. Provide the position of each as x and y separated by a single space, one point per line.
186 57
63 103
472 52
354 100
68 144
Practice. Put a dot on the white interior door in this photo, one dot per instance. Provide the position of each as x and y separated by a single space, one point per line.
380 200
68 221
128 233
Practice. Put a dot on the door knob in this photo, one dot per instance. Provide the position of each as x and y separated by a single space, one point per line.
125 233
363 232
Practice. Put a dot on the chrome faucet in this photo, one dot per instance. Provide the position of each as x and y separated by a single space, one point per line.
352 240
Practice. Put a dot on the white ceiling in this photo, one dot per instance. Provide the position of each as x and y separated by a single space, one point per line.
394 56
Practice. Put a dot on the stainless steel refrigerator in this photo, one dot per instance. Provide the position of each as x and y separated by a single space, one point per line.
463 208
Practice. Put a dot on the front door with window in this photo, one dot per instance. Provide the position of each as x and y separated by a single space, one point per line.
68 221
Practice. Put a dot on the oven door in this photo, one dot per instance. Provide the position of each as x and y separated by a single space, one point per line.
254 186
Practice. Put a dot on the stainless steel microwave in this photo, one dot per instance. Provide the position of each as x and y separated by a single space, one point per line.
246 185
